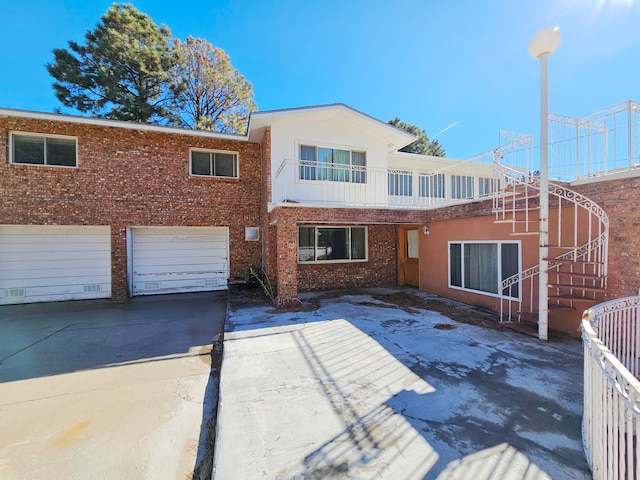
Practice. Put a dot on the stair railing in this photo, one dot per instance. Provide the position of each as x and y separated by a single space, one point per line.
517 197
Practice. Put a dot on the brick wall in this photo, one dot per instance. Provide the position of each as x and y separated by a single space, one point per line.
621 200
380 269
128 177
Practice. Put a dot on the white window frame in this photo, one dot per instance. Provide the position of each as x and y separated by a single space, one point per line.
44 136
402 181
498 266
488 186
460 184
213 151
342 260
431 184
354 170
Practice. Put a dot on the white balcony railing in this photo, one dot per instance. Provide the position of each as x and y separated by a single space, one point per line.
306 182
611 420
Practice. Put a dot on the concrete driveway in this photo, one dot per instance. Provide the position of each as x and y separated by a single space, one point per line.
394 384
101 391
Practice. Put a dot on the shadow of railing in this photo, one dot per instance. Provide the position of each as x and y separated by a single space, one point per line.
350 396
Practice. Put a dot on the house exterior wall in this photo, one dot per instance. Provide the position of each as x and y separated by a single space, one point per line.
288 134
620 199
127 177
380 269
473 222
434 255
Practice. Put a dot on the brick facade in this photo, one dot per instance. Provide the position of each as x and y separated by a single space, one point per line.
619 198
380 269
129 177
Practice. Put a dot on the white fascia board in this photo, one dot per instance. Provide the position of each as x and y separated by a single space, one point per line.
397 137
57 117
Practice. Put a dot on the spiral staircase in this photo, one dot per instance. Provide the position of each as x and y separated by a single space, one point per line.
577 249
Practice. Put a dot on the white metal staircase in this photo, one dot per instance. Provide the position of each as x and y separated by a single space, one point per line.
578 238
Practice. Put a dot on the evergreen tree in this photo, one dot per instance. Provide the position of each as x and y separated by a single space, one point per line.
123 71
422 145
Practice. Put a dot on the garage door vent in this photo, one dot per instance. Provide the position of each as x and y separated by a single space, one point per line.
211 282
151 285
92 288
15 292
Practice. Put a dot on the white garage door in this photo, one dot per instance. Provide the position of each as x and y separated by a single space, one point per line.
178 259
45 263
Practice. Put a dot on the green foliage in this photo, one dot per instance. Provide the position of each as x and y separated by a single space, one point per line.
123 70
216 96
422 145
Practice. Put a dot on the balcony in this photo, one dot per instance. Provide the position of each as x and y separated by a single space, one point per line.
309 183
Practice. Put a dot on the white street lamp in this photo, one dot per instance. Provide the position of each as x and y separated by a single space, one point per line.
543 44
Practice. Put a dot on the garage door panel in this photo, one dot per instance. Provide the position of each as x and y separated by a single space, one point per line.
181 286
53 247
54 263
171 262
79 274
179 259
51 239
60 281
40 256
212 252
45 264
51 230
163 272
32 294
185 246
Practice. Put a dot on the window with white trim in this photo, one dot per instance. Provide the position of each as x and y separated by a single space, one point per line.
213 163
332 164
483 266
461 186
431 185
50 150
329 244
487 186
400 183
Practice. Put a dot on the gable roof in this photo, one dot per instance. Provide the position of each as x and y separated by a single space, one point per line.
396 138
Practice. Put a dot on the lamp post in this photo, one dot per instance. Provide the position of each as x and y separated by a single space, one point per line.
543 44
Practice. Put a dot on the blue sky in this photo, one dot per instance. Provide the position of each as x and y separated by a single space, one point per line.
431 63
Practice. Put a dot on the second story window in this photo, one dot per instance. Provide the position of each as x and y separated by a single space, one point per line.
487 186
432 185
212 163
50 150
400 183
461 186
332 164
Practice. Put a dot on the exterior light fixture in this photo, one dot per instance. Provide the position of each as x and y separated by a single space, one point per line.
425 230
543 44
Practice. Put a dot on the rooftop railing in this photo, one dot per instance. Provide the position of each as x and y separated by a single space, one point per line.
599 144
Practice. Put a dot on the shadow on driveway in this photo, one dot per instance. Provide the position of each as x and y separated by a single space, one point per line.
353 385
92 389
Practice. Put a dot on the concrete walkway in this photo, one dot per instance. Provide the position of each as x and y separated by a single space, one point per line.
100 391
377 384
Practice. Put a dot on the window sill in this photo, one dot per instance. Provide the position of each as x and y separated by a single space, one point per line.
331 262
46 167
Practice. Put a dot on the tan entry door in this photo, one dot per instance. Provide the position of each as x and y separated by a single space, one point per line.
408 259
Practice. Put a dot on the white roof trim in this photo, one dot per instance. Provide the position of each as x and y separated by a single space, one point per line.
327 107
57 117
